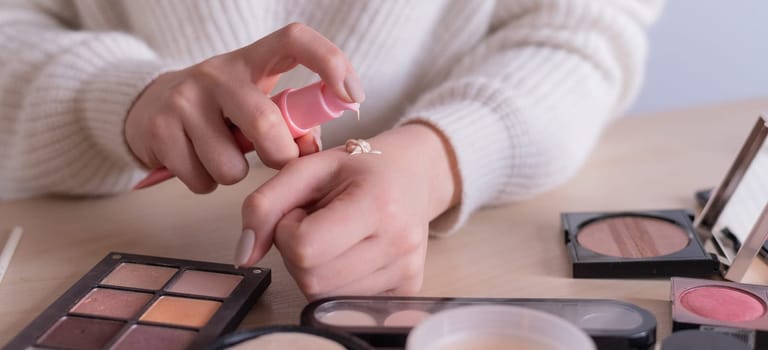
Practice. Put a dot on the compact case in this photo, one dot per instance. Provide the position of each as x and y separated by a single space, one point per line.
385 322
702 340
132 301
636 244
737 309
666 243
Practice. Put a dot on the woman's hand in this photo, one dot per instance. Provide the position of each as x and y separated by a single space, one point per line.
182 120
354 224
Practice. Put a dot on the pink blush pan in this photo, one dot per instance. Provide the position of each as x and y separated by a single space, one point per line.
739 308
723 303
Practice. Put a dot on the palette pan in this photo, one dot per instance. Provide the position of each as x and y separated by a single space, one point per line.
386 321
132 301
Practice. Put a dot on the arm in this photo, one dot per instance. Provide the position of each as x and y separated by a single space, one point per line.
525 107
95 107
517 116
64 95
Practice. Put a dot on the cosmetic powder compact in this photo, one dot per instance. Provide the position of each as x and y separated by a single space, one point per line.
735 309
289 337
132 301
666 243
385 322
702 340
636 244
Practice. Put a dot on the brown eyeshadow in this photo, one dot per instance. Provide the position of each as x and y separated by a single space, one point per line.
139 276
80 333
181 311
633 237
112 303
218 285
155 338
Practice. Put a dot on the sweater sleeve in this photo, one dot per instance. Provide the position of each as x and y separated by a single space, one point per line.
64 94
524 108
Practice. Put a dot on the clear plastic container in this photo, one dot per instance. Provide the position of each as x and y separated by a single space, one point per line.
496 327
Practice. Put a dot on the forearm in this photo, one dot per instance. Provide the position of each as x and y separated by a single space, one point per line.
523 109
66 94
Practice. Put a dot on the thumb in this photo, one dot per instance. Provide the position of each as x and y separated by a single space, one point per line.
310 142
288 225
245 247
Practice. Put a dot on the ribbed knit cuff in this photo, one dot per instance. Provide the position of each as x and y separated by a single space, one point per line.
482 152
107 98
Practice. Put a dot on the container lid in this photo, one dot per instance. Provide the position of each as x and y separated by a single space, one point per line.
497 327
735 219
702 340
241 338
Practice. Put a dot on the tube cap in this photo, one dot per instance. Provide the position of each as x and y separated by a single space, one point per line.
310 106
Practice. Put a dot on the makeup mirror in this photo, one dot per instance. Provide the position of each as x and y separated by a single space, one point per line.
735 219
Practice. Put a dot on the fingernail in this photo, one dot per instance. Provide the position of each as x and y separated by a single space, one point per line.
154 177
317 135
244 247
354 88
142 184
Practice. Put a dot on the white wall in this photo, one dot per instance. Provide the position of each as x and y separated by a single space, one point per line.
706 51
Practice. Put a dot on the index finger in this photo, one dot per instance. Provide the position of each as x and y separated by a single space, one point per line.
295 44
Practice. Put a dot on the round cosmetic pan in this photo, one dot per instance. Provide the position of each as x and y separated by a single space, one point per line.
313 338
632 236
723 303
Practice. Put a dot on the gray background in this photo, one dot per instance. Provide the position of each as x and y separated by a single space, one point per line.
706 51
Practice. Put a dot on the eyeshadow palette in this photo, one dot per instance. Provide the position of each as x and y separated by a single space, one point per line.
659 243
737 309
385 322
132 301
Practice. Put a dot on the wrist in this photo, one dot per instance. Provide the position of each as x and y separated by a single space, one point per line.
134 124
433 155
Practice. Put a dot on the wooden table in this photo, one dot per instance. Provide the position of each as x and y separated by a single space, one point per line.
653 161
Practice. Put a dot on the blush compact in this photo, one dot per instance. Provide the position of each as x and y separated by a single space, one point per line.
636 244
736 309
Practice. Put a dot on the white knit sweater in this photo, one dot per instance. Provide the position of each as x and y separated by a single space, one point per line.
521 88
